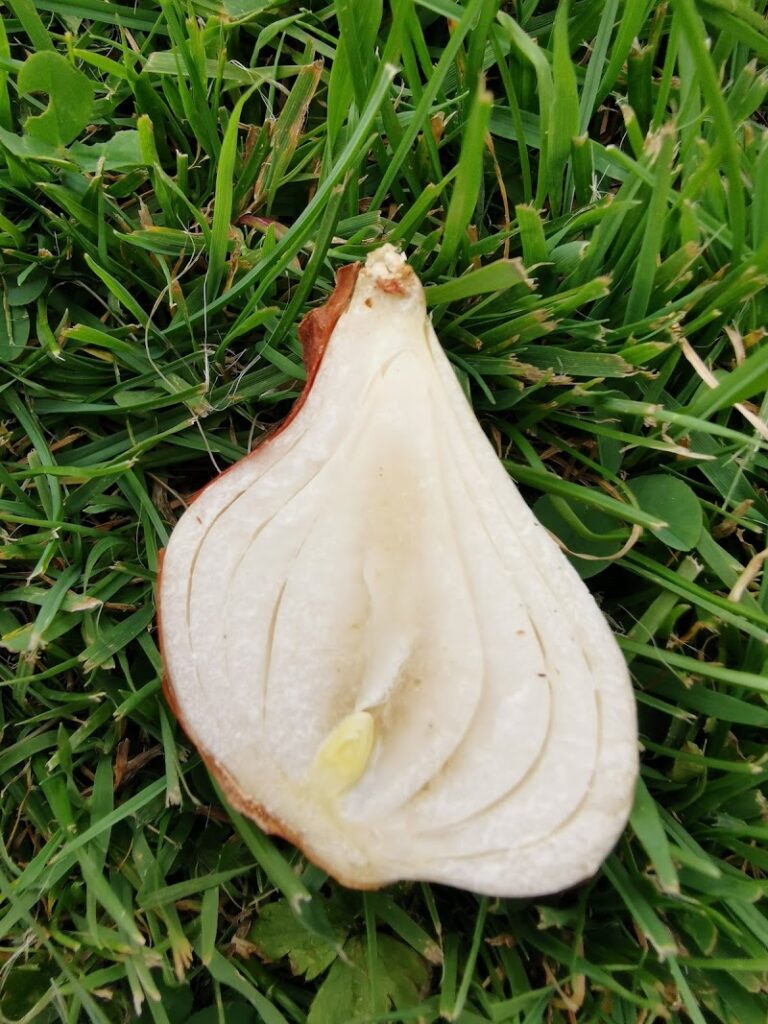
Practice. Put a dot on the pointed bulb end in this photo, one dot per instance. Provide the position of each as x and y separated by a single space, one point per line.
389 271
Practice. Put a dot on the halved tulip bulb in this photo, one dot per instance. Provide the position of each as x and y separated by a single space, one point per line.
377 649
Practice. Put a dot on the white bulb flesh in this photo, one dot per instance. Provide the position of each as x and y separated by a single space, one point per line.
378 649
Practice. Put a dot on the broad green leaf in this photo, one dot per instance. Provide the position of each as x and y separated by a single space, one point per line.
582 530
121 152
70 97
351 992
23 987
673 501
27 288
28 147
277 933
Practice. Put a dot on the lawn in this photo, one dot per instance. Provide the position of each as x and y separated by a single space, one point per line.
584 190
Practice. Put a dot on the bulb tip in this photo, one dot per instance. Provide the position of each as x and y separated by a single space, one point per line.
388 269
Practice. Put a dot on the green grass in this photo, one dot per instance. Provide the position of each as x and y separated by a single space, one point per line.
594 238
